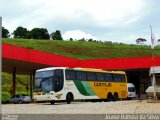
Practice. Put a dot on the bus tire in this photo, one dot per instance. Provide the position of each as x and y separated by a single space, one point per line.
69 98
129 98
52 102
115 97
109 97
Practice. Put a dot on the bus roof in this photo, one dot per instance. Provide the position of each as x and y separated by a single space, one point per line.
97 70
81 69
50 68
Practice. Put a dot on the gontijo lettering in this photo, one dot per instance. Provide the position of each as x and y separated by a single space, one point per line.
102 84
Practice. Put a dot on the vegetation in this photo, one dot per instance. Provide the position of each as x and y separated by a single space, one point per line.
5 33
140 40
56 35
20 32
21 85
84 49
35 33
38 33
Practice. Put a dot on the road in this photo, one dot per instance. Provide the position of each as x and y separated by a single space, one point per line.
118 107
83 110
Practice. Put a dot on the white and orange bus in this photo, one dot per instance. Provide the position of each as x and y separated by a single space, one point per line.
67 84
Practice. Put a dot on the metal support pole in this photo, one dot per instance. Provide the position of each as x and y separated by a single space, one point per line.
31 84
0 59
154 86
33 77
14 81
153 41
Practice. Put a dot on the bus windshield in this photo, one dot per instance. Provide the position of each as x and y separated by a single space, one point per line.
47 84
43 81
44 74
37 84
50 80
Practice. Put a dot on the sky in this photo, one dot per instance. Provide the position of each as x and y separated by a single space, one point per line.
106 20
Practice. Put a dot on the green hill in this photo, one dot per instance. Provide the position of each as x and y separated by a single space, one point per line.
84 49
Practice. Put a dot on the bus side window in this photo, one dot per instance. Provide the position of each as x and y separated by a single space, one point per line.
91 76
109 77
116 78
101 77
81 75
119 78
59 79
70 75
123 79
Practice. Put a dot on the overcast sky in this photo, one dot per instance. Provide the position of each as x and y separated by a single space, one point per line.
107 20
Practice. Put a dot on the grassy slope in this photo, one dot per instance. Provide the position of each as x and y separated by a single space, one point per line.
85 50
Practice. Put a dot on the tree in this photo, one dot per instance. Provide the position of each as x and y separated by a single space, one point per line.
71 39
56 35
20 32
158 40
29 35
140 40
90 40
5 33
38 33
83 39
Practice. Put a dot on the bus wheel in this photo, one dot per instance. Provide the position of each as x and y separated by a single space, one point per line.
52 102
129 98
109 97
69 98
115 96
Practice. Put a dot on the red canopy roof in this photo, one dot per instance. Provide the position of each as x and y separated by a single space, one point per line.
23 55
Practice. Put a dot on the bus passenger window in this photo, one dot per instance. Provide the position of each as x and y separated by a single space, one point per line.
100 76
91 76
70 75
123 78
81 75
109 77
116 78
119 78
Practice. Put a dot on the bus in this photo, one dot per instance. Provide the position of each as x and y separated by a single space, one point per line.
67 84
